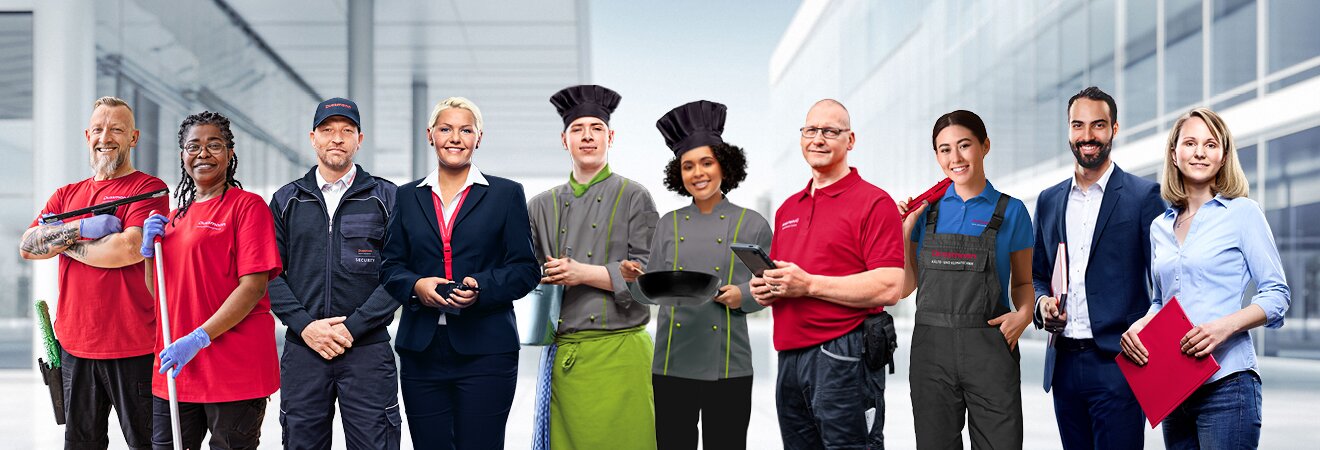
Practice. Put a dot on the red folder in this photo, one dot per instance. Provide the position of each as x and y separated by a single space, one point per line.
1169 376
931 195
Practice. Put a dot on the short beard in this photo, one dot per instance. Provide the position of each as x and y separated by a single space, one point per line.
1100 157
106 166
344 165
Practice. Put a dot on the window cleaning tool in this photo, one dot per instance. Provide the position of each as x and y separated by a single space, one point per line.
931 195
165 332
102 208
50 368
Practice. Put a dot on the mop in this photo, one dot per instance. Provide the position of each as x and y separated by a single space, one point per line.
165 332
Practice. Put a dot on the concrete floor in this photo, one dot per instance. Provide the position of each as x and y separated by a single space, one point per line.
1291 391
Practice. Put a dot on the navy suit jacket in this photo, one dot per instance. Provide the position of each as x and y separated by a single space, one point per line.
492 243
1118 271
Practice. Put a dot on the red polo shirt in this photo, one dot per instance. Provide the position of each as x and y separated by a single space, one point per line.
845 228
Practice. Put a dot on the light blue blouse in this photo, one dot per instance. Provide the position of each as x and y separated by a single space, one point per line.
1229 245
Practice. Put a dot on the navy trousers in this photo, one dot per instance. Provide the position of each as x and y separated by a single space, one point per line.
363 381
1094 406
456 401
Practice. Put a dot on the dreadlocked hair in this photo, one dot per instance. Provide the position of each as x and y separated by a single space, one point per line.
186 192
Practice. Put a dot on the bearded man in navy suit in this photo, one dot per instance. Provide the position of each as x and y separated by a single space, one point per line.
1103 214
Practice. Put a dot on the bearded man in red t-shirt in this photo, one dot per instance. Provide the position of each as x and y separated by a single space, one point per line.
105 317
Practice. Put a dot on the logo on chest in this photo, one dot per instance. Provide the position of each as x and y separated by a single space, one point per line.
214 226
980 223
111 198
787 224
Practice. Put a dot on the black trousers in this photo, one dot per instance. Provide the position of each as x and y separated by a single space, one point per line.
93 386
724 407
456 401
233 425
363 380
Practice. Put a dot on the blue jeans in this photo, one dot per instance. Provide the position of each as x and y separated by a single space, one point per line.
1224 414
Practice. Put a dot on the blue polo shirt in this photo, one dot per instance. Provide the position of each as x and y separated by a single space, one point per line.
970 218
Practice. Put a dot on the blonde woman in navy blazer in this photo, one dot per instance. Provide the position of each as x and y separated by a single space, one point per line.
458 353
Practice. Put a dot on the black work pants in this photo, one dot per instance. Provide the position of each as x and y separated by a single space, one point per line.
363 380
93 386
233 425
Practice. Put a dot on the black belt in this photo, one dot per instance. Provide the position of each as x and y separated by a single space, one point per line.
1074 345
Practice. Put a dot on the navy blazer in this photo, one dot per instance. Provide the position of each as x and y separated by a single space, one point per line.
492 243
1118 271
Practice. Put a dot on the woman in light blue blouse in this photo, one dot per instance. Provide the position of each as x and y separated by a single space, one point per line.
1206 261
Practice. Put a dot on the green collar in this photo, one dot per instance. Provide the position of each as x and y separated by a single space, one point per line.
580 189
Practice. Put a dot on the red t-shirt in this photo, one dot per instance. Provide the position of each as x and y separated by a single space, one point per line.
106 313
845 228
205 253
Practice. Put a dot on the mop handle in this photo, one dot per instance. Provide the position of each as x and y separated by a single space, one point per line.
165 333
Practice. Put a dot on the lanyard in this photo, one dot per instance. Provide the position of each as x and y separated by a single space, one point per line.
447 228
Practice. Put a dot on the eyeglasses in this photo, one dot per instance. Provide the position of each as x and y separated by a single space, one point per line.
213 147
829 133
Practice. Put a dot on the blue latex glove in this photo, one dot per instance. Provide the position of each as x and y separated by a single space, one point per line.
97 227
178 353
153 228
57 222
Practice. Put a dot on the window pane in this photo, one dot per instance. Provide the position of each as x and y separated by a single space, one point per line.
1293 37
16 74
16 202
1293 211
1182 54
1138 100
1233 47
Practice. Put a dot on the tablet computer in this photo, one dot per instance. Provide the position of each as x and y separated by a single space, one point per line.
753 257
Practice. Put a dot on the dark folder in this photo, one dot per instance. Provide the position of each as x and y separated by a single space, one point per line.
1169 376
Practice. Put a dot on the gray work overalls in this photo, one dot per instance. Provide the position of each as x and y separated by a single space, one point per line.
960 364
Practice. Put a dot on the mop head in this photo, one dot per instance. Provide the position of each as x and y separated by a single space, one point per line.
48 334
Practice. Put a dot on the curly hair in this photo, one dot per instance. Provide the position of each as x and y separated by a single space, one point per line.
186 192
733 165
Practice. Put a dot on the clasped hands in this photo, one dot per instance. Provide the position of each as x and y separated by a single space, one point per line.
425 289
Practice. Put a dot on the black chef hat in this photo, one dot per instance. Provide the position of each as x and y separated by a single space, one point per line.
586 100
692 125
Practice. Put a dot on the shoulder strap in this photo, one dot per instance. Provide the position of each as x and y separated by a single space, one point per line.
1000 207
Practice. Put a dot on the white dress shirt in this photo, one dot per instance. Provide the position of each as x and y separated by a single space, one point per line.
449 207
1083 211
334 191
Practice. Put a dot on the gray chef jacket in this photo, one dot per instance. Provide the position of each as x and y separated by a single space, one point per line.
707 341
611 222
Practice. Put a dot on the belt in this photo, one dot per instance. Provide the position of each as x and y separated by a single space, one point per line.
1074 345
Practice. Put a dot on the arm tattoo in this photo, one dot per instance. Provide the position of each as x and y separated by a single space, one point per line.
78 250
45 238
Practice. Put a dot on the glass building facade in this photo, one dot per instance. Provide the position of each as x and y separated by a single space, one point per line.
898 65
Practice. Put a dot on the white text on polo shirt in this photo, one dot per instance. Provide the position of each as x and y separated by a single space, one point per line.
217 226
788 224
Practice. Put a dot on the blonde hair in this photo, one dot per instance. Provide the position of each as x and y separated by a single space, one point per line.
110 101
1230 182
456 103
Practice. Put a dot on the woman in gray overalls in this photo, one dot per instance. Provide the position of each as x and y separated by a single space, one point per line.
961 252
703 360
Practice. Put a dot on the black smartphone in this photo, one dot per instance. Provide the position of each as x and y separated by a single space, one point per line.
753 257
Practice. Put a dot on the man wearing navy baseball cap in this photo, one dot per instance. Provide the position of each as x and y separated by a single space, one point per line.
330 227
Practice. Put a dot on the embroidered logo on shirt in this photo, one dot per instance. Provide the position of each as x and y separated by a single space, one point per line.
788 224
980 223
217 226
952 258
111 198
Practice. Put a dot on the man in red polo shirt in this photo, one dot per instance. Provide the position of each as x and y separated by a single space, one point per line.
839 254
105 318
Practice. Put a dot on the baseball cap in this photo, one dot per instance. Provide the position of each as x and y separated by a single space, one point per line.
337 107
